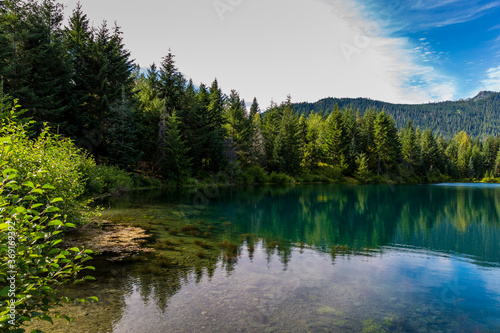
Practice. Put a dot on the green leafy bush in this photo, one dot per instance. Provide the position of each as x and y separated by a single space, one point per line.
280 178
32 267
50 158
255 175
104 179
139 181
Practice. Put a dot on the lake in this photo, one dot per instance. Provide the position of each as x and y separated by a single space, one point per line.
304 258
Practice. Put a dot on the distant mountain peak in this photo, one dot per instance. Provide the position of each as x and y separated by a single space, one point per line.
481 95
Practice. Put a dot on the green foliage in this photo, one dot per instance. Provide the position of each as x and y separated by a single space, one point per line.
280 178
175 162
51 158
32 267
362 169
254 175
104 179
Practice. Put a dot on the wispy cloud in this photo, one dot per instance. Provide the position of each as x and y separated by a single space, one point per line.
495 27
403 69
463 15
492 80
427 14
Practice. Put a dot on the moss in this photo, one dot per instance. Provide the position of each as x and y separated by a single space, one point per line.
201 244
201 254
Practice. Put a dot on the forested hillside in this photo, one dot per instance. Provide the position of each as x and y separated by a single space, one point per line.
478 116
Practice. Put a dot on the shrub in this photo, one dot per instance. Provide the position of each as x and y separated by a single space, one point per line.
32 265
280 178
49 158
104 179
255 175
139 181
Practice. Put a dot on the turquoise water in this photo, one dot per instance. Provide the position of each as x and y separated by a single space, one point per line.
309 258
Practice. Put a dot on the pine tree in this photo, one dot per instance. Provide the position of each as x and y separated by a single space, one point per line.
287 144
216 133
386 143
175 165
171 84
271 124
490 149
33 60
122 149
238 125
410 148
430 152
337 140
362 169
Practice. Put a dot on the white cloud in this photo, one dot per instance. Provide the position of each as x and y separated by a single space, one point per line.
269 49
492 80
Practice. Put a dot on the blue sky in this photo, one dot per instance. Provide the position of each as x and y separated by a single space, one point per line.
460 39
391 50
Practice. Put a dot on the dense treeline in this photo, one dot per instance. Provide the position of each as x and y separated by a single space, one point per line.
478 116
81 81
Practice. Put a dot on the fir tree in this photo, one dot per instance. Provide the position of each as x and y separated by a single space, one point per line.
175 165
386 143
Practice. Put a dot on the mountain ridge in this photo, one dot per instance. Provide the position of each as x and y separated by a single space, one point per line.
479 116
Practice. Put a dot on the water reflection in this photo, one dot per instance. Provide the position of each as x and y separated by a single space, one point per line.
317 258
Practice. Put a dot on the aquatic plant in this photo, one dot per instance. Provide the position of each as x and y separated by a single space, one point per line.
201 254
210 227
173 232
201 244
207 234
195 233
188 228
227 224
167 228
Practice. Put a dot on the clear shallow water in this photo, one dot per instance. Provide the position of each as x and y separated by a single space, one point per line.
318 258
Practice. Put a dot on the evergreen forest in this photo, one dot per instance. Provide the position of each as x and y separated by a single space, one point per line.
80 81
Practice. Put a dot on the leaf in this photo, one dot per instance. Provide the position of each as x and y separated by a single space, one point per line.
48 186
93 298
75 249
88 277
37 190
8 172
55 242
46 318
67 318
56 200
90 267
51 209
29 184
56 222
69 225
